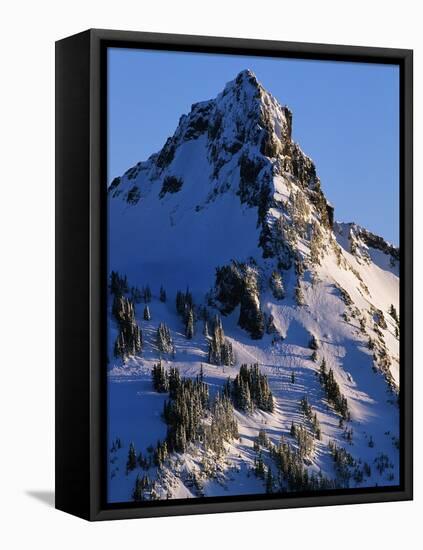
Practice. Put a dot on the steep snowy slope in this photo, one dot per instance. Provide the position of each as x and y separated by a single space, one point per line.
233 209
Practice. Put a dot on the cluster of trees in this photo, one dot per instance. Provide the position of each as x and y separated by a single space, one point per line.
284 241
382 463
277 286
348 434
220 349
299 294
155 456
129 339
171 184
118 283
160 378
185 308
333 392
160 453
308 412
264 472
141 295
304 439
291 474
299 212
251 317
223 426
184 302
316 244
393 313
250 389
184 411
142 486
131 463
344 462
144 489
379 319
237 284
164 339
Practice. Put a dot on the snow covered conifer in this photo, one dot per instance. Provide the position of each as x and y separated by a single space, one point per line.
160 378
299 295
276 285
189 326
129 339
138 493
164 339
269 481
147 315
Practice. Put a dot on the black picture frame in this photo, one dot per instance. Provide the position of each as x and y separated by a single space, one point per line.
81 147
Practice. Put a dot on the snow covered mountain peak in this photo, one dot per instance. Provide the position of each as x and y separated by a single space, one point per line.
239 141
230 218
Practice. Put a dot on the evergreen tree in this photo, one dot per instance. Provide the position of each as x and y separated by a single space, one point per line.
174 382
269 481
137 493
315 244
223 426
250 389
276 285
189 326
160 378
162 294
333 392
393 313
220 349
118 284
164 339
259 469
299 295
142 485
136 295
129 339
147 315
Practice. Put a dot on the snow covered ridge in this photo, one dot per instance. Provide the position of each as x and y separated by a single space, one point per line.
227 263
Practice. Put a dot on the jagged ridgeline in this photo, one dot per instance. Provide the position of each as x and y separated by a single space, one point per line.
262 335
246 139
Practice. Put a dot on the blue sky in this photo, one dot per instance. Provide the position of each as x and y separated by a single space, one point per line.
345 117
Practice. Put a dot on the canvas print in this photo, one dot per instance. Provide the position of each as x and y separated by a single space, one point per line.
253 276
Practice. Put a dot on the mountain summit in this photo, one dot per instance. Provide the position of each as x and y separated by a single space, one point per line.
230 218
